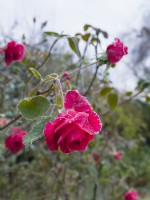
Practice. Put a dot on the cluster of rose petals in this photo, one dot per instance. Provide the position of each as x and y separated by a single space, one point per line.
13 52
3 121
118 156
116 51
131 195
74 127
14 142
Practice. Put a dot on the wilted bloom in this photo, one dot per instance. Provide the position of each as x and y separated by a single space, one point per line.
74 127
131 195
14 142
116 51
118 156
13 52
66 76
3 121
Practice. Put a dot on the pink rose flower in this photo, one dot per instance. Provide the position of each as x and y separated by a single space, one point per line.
131 195
13 52
116 51
14 142
118 156
73 128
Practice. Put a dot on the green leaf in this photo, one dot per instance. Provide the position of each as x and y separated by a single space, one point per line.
105 91
52 34
34 107
73 42
142 84
58 100
94 39
50 77
112 101
86 36
86 26
35 73
36 132
128 94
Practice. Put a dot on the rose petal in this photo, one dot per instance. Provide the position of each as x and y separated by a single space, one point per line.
73 138
89 122
73 100
50 136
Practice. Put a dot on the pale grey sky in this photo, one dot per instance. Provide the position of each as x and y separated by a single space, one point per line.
70 15
114 16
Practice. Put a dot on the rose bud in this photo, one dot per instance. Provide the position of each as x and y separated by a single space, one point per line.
14 142
13 52
116 51
131 195
118 156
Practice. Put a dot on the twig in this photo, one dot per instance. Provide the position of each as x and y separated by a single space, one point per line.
48 54
92 81
85 49
11 122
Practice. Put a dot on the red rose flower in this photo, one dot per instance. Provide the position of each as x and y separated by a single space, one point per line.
118 156
116 51
73 128
13 52
14 142
131 195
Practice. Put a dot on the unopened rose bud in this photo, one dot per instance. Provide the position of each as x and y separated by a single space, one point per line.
116 51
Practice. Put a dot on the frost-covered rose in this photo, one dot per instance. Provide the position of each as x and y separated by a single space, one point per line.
131 195
13 52
116 51
73 128
14 142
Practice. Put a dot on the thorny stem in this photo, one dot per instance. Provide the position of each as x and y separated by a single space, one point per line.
92 81
85 49
95 74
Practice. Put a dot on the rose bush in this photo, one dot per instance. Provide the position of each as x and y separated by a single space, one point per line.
74 127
